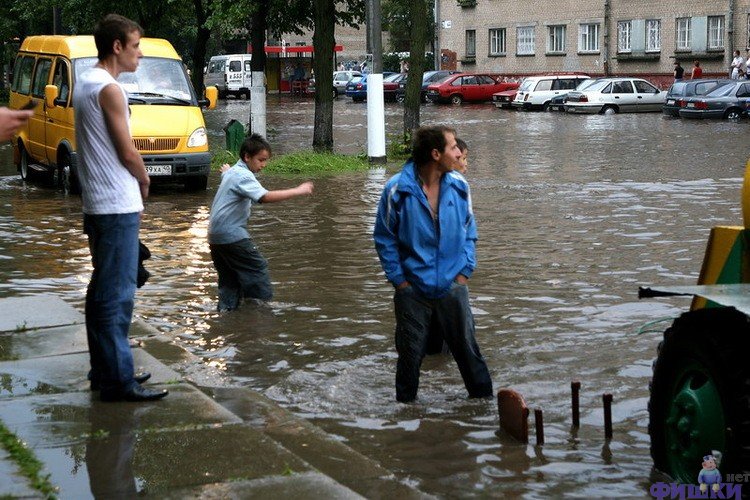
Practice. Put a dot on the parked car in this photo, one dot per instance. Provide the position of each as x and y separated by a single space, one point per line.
390 86
427 78
357 87
475 87
536 92
679 92
616 95
729 101
340 80
558 102
504 99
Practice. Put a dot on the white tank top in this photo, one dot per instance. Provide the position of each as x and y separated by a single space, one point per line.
107 187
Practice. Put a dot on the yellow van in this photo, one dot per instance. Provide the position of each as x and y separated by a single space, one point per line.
166 121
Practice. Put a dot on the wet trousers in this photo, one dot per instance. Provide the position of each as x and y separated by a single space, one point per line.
243 273
113 242
414 316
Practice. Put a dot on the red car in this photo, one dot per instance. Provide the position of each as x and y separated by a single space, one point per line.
476 87
390 86
503 100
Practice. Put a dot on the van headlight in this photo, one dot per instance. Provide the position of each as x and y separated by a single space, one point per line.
198 138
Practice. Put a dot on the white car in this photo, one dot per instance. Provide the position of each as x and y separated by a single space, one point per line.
616 95
341 78
536 92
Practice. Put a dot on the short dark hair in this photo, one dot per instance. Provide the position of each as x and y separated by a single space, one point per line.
426 139
697 63
110 28
462 145
253 145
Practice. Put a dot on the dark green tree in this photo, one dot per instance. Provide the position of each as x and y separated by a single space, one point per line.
420 18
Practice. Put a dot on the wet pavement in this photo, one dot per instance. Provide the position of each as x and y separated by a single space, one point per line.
574 212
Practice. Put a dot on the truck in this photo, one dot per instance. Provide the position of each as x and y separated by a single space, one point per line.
700 391
231 74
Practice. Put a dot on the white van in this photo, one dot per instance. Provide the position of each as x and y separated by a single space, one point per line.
230 73
536 92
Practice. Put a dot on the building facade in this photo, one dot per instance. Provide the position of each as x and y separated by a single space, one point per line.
598 37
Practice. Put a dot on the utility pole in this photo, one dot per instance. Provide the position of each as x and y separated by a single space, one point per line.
375 108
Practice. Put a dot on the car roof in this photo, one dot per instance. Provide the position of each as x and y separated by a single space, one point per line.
557 77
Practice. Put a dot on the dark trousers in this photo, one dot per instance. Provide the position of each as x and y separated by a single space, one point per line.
243 273
414 316
113 241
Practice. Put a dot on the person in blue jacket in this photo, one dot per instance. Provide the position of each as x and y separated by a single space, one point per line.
425 237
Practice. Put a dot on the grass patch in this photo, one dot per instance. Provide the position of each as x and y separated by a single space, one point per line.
305 162
28 464
399 146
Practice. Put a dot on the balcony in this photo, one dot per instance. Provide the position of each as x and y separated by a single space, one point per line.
467 4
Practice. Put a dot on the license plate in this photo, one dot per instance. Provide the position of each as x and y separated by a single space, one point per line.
691 105
159 169
670 102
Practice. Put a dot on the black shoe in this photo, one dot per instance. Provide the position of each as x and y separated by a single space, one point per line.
138 377
135 394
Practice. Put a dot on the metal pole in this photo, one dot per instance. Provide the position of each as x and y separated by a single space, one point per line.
375 108
607 400
436 38
575 388
56 21
539 423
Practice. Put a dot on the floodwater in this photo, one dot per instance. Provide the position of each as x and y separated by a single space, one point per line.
574 213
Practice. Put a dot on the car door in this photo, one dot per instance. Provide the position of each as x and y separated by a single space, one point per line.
648 97
743 96
469 88
59 124
37 127
623 95
486 87
561 86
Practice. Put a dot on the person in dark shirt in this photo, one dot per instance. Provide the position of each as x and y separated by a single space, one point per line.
678 71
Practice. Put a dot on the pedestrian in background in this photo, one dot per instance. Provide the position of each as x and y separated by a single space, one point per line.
114 183
679 71
243 271
697 71
737 66
425 237
11 120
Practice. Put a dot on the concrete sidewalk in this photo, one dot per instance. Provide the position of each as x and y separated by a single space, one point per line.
205 440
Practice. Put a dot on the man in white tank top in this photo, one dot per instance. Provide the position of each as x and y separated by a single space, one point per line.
114 184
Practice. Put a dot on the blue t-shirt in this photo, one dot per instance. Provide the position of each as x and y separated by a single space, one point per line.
231 207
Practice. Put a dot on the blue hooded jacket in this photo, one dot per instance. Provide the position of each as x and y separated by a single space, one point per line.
411 246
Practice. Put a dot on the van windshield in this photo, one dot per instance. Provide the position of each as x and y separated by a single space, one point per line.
156 81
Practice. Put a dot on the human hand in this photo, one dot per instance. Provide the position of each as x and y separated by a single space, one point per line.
11 120
462 280
144 189
305 188
403 285
225 167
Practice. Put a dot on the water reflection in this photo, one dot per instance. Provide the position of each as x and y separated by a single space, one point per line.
109 453
573 214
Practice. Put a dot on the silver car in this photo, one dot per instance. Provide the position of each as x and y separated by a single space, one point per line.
341 78
616 95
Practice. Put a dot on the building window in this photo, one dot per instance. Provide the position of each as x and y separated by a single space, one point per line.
497 41
653 35
471 43
683 33
556 38
588 39
716 32
623 35
525 40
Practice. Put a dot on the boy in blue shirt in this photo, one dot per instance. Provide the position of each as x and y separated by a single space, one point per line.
243 271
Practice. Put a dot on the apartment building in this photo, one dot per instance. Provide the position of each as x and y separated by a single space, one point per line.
612 37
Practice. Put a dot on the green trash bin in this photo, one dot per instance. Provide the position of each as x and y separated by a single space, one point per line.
235 133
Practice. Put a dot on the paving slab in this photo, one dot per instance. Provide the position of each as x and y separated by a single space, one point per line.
43 342
13 484
293 486
38 311
334 458
64 373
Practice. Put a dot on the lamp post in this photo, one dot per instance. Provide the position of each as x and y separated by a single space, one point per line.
375 108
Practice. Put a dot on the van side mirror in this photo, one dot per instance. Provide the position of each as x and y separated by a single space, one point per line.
211 96
50 95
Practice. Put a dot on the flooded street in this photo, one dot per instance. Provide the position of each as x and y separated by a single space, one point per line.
573 212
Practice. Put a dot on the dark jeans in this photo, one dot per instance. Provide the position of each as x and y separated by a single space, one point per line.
243 272
414 316
113 242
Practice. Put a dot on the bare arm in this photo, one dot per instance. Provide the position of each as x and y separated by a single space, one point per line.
11 120
113 108
285 194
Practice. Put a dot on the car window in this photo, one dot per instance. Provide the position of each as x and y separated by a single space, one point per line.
22 78
393 78
586 83
543 85
469 80
606 90
247 66
744 90
235 66
624 87
644 87
356 79
486 80
456 82
61 79
564 84
679 88
702 88
41 77
722 91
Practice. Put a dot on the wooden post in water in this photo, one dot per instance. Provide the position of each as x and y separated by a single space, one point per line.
607 400
575 388
514 414
539 424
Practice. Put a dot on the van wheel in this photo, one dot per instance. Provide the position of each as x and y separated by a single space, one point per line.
69 175
23 166
196 183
